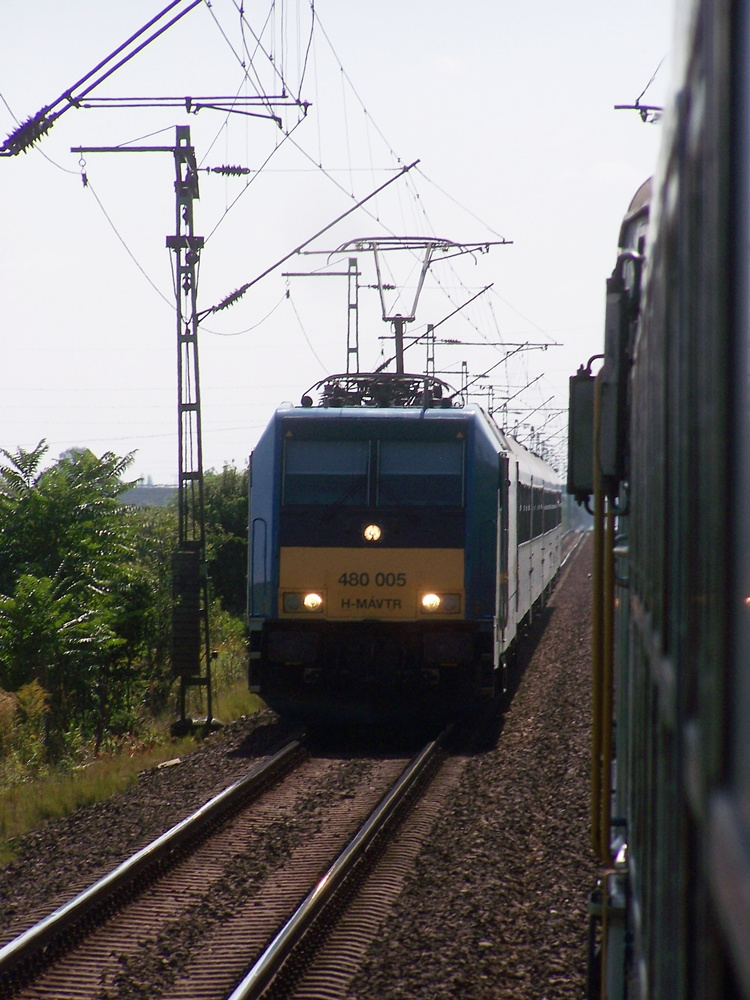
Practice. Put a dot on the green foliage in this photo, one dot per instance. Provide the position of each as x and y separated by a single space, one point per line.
229 645
32 705
225 501
60 522
69 588
142 592
7 720
27 744
86 605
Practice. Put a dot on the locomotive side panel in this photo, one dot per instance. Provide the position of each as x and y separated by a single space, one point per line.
262 540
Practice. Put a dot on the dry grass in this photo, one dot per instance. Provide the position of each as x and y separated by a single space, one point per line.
24 806
27 805
234 702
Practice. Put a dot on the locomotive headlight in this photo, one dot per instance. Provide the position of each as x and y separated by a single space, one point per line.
299 603
430 602
444 604
372 533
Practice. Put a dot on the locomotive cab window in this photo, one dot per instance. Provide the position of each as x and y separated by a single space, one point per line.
419 473
326 472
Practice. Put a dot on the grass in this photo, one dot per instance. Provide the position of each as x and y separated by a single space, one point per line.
26 806
232 703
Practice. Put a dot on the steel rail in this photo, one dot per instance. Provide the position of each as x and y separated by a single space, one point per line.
574 548
32 944
321 896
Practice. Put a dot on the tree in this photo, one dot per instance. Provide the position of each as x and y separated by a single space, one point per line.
225 498
68 585
62 519
143 598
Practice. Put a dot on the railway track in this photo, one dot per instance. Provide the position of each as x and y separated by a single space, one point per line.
39 946
492 904
189 915
571 543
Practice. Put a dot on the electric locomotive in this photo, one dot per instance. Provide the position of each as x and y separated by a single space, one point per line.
397 543
668 420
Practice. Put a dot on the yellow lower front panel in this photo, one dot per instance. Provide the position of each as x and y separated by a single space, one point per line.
386 584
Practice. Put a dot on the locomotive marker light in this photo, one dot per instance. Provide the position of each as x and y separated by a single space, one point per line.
292 603
372 533
313 602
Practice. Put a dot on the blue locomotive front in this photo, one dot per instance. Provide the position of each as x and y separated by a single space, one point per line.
379 569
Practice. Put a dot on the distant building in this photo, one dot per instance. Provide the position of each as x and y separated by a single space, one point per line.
149 496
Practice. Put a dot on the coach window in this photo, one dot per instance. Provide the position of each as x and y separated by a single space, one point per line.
524 512
326 472
421 473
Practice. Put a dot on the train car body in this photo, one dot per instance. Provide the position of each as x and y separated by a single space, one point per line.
671 440
393 554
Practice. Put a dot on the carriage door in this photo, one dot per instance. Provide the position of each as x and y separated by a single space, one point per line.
501 609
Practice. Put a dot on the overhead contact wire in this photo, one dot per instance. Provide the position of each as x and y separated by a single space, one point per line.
304 334
332 179
127 249
307 50
259 45
354 91
249 329
274 151
253 80
459 205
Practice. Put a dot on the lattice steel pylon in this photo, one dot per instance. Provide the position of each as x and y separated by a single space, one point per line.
190 621
352 317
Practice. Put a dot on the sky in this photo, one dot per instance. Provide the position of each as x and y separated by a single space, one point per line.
508 105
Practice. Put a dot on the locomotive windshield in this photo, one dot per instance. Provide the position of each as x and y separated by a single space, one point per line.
410 473
420 473
326 472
